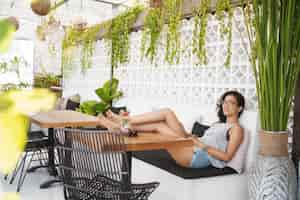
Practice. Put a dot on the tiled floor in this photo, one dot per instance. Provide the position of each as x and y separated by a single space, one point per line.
31 190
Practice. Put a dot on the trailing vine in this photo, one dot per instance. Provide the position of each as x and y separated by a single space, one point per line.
153 25
172 11
48 26
118 35
225 27
73 37
199 32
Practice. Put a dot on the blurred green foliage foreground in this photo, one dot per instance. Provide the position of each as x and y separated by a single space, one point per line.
15 106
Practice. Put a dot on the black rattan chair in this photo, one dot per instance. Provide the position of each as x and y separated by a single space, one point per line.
93 165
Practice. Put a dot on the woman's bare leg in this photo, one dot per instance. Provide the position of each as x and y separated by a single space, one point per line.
108 123
165 115
182 156
158 127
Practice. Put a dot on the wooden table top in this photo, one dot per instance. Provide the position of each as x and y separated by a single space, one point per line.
144 141
63 118
155 141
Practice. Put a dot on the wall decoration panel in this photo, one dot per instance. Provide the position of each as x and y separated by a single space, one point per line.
183 83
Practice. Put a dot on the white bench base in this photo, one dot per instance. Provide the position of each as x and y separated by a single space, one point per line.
227 187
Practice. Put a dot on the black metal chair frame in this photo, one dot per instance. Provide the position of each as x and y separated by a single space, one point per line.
36 144
93 165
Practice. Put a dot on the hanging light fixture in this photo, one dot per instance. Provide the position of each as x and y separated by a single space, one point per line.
43 7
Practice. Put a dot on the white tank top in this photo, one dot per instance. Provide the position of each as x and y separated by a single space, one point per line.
216 136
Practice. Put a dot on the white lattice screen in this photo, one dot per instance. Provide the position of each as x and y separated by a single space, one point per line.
185 83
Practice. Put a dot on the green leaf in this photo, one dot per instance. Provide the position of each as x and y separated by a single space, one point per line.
275 58
88 107
117 95
103 94
13 129
111 85
7 31
10 196
101 107
15 105
5 103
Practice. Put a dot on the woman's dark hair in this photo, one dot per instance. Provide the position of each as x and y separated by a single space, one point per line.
240 101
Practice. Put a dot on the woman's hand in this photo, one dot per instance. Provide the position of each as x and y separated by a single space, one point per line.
198 143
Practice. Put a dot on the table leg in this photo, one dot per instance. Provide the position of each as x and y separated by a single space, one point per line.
129 161
51 164
126 178
51 168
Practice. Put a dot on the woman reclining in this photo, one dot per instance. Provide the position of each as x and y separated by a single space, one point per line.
218 145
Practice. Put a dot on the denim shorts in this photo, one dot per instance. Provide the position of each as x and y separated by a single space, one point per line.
200 159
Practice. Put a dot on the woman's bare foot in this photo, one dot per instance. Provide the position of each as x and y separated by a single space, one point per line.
114 117
110 125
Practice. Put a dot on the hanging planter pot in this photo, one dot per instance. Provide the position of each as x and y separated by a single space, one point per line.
155 3
273 176
41 7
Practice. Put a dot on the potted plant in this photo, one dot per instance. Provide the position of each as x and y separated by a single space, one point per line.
47 80
107 93
274 34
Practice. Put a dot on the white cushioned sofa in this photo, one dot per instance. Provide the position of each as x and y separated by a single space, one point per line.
172 187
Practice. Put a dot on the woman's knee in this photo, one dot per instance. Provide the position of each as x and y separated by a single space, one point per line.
167 111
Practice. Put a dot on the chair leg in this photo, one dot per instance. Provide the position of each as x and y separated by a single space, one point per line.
23 172
40 157
20 163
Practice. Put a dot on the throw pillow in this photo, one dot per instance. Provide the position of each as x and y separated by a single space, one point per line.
199 129
73 102
72 105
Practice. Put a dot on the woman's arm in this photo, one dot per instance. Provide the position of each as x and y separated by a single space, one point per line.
236 138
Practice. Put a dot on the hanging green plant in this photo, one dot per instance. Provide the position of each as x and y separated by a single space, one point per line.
75 36
153 25
117 36
47 25
172 13
199 32
223 7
